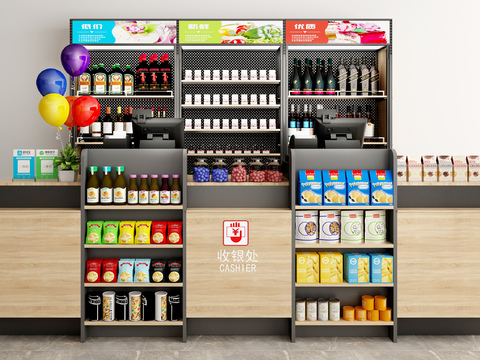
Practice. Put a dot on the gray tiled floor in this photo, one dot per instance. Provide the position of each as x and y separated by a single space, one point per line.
240 347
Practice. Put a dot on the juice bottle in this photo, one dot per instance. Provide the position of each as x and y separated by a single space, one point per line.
106 187
154 190
165 191
133 190
143 190
176 190
93 186
120 188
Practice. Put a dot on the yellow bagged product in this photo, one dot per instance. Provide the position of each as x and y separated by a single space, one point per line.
331 267
142 235
127 232
307 267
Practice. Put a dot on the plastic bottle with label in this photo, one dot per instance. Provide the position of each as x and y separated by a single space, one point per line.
106 187
154 190
133 190
93 187
143 193
176 190
165 191
120 187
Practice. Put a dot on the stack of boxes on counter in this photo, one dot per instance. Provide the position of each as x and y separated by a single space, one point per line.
443 168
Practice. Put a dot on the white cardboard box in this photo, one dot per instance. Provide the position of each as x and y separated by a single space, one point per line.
473 168
430 168
445 168
414 168
401 168
460 168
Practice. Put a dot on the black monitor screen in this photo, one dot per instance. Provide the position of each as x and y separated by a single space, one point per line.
339 133
158 133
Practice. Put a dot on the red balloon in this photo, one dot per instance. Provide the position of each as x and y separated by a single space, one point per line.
70 122
86 110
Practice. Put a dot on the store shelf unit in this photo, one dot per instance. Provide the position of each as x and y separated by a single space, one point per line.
135 161
349 294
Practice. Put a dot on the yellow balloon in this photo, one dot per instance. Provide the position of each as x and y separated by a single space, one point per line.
54 109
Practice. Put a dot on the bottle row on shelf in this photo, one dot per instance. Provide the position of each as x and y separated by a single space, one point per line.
231 99
230 75
108 192
233 124
236 149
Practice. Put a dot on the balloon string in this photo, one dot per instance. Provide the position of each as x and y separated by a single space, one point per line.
59 137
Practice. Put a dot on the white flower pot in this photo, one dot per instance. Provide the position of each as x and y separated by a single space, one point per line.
66 175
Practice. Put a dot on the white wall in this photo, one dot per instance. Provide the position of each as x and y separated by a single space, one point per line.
436 88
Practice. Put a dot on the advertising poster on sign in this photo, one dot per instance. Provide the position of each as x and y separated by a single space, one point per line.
123 32
230 32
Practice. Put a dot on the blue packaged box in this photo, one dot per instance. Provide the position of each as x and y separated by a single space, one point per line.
358 185
310 187
381 268
334 187
356 267
24 164
381 186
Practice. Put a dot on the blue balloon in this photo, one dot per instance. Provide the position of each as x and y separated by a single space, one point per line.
51 81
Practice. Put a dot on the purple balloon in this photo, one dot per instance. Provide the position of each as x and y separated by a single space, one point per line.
75 59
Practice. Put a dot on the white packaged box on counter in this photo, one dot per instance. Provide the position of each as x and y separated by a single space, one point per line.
473 168
430 168
414 168
402 168
460 168
445 168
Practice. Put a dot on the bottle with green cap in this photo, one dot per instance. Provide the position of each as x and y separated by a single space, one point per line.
93 187
106 187
120 187
100 81
128 81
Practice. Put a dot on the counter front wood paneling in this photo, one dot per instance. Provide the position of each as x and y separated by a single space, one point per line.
262 292
40 263
438 256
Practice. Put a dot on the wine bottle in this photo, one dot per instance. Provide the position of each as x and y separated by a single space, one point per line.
330 80
154 74
107 122
296 81
165 74
374 78
84 85
119 126
298 121
299 70
310 119
291 122
115 80
370 127
348 114
342 78
319 81
305 120
141 73
337 111
353 78
364 77
307 79
100 81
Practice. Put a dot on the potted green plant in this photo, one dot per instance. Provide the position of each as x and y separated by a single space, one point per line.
68 161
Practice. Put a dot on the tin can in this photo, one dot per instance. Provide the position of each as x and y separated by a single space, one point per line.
322 309
334 305
160 305
299 309
108 305
311 309
135 303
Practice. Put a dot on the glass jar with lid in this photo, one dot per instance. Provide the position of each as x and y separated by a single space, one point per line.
239 171
201 173
274 171
219 171
256 171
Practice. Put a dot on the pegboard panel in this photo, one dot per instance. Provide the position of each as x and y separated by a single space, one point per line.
137 103
230 113
264 158
230 89
197 140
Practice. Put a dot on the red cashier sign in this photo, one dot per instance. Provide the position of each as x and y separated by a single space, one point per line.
235 233
306 32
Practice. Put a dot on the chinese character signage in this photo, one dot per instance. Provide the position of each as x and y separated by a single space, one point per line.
230 32
123 32
337 32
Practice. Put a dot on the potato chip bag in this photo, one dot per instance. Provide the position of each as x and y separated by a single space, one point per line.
174 232
159 232
142 235
142 271
125 270
110 232
127 232
157 270
94 232
109 270
174 270
93 271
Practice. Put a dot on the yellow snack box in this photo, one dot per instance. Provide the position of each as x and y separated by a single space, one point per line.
331 267
307 267
127 232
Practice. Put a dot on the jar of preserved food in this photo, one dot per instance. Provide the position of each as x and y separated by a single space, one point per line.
201 173
239 171
257 171
274 171
219 171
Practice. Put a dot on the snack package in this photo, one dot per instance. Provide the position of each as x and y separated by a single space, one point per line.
93 270
174 232
460 168
174 269
94 232
125 270
310 187
127 232
329 227
402 168
415 168
142 235
473 168
334 187
307 226
110 232
142 271
157 270
430 168
331 267
357 267
381 268
445 168
358 187
109 270
352 227
381 183
307 267
159 232
375 227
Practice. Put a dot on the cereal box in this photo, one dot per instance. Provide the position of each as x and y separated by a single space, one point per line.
445 168
381 185
310 187
358 186
307 267
473 168
460 168
402 168
334 187
414 168
381 268
356 267
429 172
331 267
